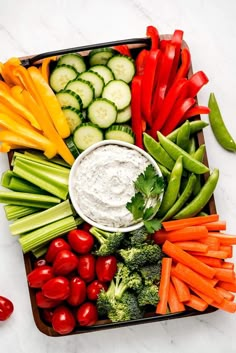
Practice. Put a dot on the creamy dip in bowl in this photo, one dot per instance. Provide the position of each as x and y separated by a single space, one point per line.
101 183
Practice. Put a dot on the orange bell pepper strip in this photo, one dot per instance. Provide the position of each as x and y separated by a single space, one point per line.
7 71
16 92
45 67
5 87
5 147
29 134
50 102
18 118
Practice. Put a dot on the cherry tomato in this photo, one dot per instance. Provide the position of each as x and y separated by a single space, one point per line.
40 262
65 262
86 267
47 315
6 308
44 302
86 227
77 291
87 314
94 288
39 276
80 241
55 246
63 321
57 288
106 267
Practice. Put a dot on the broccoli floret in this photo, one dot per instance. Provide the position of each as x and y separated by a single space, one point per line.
126 308
152 252
139 236
148 296
151 273
105 299
109 242
125 279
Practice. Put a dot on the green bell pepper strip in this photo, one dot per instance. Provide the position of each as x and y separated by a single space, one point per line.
218 126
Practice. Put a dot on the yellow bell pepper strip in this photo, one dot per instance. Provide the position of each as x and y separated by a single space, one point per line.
48 128
16 92
29 134
5 87
45 67
18 118
50 101
18 108
5 147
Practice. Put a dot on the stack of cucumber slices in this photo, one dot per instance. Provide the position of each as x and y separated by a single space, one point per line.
94 93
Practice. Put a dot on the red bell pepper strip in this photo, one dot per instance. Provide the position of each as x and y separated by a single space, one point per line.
178 111
199 109
153 33
173 94
185 64
136 120
148 82
123 49
140 61
177 42
163 78
196 82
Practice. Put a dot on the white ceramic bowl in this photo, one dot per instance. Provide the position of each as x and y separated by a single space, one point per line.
72 181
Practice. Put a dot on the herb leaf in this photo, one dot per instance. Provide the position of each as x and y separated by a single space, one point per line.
149 183
152 225
136 205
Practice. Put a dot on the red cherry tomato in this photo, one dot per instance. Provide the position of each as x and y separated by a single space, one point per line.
80 241
57 288
86 267
77 291
106 267
40 262
65 262
87 314
94 288
55 246
6 308
86 227
63 321
44 302
39 276
47 315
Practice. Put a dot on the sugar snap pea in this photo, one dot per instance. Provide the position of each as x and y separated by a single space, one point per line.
164 170
172 190
182 139
218 126
189 163
191 145
195 126
199 155
183 198
201 199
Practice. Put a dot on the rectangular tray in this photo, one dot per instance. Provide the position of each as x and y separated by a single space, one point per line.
135 46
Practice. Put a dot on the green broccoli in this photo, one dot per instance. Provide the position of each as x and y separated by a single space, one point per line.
109 242
105 299
151 273
139 236
125 309
125 279
148 295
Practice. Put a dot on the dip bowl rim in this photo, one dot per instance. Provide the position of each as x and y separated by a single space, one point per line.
73 170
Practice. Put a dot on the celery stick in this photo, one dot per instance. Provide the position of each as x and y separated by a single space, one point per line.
32 240
14 212
41 218
28 199
40 156
12 182
39 251
46 177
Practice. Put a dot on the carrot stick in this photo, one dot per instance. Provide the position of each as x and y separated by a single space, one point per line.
228 265
218 225
174 303
192 246
164 285
218 254
228 249
183 234
193 221
225 275
185 258
203 296
193 279
211 281
226 294
230 286
181 288
210 261
196 303
212 242
226 305
225 239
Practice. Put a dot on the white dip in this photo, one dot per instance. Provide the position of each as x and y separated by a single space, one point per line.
103 183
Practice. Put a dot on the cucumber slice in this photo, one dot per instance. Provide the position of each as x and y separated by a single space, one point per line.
61 75
100 56
104 72
123 67
84 89
69 98
73 116
75 60
124 115
72 147
121 133
95 79
118 92
86 135
102 112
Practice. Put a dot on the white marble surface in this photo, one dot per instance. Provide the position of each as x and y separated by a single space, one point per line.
28 27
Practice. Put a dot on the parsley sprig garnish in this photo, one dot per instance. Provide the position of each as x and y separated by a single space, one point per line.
148 187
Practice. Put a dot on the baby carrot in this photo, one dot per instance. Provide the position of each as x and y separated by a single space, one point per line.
164 285
174 303
186 222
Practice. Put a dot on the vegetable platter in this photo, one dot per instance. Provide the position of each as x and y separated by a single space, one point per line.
114 91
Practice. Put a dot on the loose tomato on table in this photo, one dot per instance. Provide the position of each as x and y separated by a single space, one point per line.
80 241
39 276
6 308
86 267
55 246
65 262
63 321
87 314
77 291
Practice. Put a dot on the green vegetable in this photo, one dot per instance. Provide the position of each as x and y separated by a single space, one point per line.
109 242
10 181
125 309
14 212
151 273
28 199
218 126
195 126
183 135
148 296
139 236
199 155
191 146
